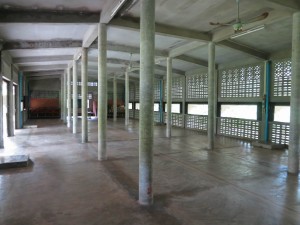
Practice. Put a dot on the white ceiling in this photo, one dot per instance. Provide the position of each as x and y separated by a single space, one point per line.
184 17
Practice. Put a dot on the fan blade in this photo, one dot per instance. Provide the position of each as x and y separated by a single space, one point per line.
219 24
257 18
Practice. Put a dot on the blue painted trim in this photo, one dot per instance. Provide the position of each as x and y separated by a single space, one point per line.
268 76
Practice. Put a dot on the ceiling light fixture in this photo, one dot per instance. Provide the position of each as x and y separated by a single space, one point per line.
254 29
118 6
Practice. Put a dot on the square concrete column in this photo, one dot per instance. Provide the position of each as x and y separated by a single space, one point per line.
147 44
1 105
10 110
84 91
294 142
211 94
169 97
75 97
126 99
102 90
69 97
115 100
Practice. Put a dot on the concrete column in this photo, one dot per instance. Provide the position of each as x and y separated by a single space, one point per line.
65 98
169 97
294 142
1 108
10 110
84 91
126 99
115 100
102 90
18 108
147 43
211 94
69 97
75 97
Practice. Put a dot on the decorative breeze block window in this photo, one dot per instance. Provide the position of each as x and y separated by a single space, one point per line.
282 73
196 122
130 113
156 117
137 92
156 90
197 86
131 92
177 88
280 133
240 128
241 82
177 119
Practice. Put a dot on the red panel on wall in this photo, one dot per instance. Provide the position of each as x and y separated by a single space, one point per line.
36 103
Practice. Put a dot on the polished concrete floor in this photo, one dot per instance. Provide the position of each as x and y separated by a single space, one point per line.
66 185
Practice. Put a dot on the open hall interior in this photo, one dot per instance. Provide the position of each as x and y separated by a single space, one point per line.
150 112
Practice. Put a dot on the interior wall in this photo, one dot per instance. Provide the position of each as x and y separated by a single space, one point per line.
45 84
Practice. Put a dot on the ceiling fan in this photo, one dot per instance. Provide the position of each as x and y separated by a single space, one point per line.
238 24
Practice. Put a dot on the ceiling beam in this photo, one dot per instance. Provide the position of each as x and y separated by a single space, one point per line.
44 73
245 49
287 4
90 36
193 60
43 67
110 9
164 30
35 59
41 44
185 48
57 76
28 16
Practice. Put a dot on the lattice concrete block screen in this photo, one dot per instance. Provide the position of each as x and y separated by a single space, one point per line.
177 88
241 128
156 90
197 86
196 122
136 114
156 117
241 82
281 74
177 119
131 92
280 132
130 113
137 92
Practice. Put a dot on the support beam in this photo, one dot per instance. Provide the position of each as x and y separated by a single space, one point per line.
164 30
102 91
294 142
211 94
69 97
41 44
35 59
43 67
84 92
75 97
286 4
126 98
19 16
245 49
90 36
185 48
45 73
169 97
193 60
115 99
110 9
147 43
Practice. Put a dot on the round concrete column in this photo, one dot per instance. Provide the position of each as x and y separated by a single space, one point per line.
64 109
126 99
115 100
169 97
147 43
84 90
102 90
69 96
1 110
75 97
211 94
294 142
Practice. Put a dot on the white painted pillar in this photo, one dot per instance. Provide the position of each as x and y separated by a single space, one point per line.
84 91
211 94
65 98
18 107
102 90
10 110
294 141
69 96
115 100
169 98
75 97
147 43
126 99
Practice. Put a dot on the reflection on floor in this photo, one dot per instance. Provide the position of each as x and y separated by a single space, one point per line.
234 184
